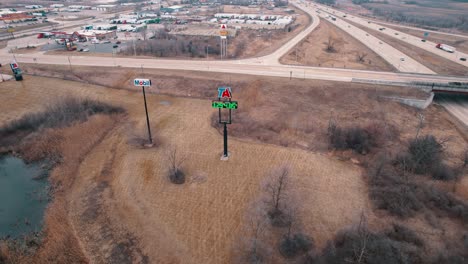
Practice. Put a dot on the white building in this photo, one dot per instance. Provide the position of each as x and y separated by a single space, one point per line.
105 7
33 6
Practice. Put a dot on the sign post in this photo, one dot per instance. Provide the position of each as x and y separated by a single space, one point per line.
224 102
223 33
143 83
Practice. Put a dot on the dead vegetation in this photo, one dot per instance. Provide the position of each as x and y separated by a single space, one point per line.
59 115
283 118
48 135
175 160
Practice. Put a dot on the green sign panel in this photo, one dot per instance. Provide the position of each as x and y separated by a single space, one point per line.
224 104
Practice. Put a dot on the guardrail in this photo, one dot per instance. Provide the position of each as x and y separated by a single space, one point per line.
429 86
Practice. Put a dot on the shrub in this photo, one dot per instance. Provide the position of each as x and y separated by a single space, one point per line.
356 247
177 176
291 246
443 172
424 153
356 138
398 199
175 161
61 114
403 234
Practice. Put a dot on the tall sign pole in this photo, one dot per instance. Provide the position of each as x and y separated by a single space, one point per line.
224 102
223 33
142 83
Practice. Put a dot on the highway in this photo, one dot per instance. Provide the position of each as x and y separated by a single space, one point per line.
410 39
265 66
398 59
457 106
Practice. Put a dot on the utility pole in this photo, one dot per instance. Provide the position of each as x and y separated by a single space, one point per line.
69 62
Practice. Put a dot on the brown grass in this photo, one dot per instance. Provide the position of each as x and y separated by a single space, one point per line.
122 207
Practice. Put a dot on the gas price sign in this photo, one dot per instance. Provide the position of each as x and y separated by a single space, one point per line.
224 104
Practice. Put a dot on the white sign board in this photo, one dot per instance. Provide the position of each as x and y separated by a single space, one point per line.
142 82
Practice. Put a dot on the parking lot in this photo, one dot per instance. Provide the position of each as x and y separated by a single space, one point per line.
88 46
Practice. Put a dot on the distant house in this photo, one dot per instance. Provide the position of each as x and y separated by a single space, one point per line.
33 6
105 8
15 17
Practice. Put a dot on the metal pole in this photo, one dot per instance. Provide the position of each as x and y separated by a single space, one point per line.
69 62
225 141
147 118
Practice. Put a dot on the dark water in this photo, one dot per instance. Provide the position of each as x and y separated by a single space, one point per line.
23 199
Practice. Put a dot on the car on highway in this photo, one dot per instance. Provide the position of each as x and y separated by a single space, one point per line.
463 59
115 46
118 42
106 42
423 40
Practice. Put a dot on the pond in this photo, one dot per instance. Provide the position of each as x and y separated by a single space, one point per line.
23 197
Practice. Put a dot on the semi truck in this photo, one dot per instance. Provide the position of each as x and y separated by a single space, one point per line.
446 48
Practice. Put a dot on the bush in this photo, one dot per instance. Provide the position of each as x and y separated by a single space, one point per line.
424 152
403 234
356 138
357 247
59 115
294 245
443 172
399 199
177 176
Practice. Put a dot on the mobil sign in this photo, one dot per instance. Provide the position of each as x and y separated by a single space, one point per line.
142 82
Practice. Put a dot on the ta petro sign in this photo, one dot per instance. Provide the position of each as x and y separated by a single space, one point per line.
142 82
224 104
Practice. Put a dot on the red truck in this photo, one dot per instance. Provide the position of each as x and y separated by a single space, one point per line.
447 48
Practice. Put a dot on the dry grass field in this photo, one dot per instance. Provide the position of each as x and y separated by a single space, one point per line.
200 221
313 51
119 204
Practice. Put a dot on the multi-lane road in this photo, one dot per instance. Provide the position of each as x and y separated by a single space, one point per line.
266 65
410 39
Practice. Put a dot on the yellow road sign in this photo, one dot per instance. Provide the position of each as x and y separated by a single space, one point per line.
223 32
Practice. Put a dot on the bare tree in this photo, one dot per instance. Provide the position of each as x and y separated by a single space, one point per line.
465 158
330 45
175 161
251 248
276 186
360 247
420 124
361 57
144 32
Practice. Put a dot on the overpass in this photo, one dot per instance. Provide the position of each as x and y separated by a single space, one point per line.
451 87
